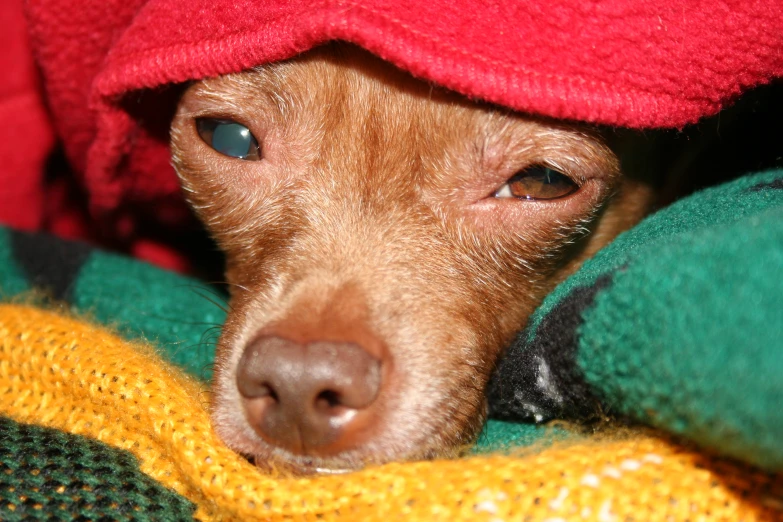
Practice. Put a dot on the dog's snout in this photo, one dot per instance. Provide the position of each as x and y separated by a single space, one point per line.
313 398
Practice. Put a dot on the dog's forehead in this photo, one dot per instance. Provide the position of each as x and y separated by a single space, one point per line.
353 84
342 104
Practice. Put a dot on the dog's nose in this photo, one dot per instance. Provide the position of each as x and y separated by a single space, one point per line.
313 399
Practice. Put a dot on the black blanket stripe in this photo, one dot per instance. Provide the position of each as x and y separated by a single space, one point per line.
773 185
50 263
539 379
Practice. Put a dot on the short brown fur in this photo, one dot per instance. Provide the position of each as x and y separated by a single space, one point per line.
371 219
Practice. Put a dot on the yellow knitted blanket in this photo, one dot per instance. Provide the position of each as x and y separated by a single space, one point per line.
60 372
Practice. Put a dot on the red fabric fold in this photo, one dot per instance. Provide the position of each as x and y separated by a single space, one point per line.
631 63
26 135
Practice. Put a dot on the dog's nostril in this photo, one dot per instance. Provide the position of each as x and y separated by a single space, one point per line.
328 399
255 389
308 398
266 390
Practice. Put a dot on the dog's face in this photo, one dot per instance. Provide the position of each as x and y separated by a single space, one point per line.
384 241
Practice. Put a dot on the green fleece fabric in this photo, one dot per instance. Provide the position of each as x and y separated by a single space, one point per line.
12 279
180 315
678 324
689 335
713 207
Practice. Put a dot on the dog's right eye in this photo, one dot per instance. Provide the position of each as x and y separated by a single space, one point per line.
537 183
229 138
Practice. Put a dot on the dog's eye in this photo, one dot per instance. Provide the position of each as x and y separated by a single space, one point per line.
537 182
228 137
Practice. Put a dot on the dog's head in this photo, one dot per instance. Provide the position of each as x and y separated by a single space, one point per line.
384 240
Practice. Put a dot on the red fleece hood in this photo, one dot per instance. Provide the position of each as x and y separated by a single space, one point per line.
632 63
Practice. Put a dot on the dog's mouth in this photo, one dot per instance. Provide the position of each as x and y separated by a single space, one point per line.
279 461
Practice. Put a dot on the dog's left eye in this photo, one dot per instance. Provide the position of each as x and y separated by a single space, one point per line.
537 183
229 138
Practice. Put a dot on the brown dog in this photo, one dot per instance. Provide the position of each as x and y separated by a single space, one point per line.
384 239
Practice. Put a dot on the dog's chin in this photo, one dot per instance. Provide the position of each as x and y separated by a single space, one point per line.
302 466
278 461
281 462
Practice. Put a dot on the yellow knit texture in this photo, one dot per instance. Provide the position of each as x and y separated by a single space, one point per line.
60 372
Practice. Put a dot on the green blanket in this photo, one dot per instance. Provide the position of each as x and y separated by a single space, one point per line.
677 324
